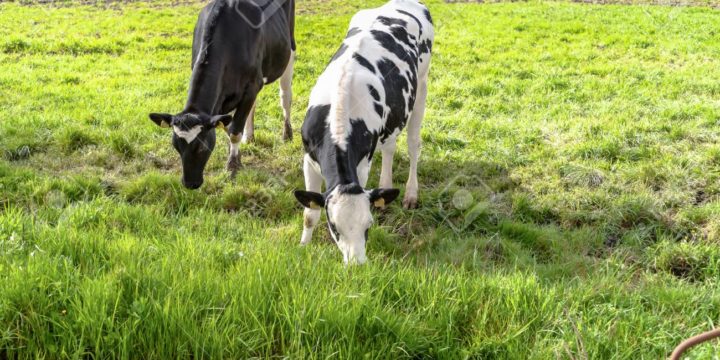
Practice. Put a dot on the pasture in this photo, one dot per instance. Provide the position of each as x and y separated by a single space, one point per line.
569 188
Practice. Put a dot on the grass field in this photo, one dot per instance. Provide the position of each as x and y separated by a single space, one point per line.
569 185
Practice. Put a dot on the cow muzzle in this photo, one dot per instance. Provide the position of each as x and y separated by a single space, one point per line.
192 185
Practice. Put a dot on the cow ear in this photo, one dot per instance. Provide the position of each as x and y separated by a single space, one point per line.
220 121
161 120
382 197
309 199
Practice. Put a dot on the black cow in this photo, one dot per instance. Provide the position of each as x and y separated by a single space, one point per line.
238 46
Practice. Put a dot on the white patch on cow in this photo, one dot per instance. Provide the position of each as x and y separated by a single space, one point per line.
350 213
234 149
249 131
188 135
314 164
363 171
339 120
264 80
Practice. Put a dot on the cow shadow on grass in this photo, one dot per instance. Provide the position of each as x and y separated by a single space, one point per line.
475 214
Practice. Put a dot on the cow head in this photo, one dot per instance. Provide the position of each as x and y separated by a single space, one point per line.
193 136
348 215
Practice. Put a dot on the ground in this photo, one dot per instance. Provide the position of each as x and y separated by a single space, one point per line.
570 202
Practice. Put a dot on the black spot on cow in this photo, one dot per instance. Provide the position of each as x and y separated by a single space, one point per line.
362 141
352 32
351 189
401 35
425 47
389 43
391 21
339 52
379 110
427 16
414 18
360 144
364 62
374 93
395 85
313 128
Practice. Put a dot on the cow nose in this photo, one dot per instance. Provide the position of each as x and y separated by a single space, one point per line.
192 185
356 257
355 261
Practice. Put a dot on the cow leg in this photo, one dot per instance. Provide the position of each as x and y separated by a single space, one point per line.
233 163
388 151
236 127
363 171
413 128
286 96
249 132
313 182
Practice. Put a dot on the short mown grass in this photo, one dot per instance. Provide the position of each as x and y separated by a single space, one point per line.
570 189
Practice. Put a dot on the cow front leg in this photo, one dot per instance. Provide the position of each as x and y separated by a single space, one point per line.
233 163
410 201
286 96
235 130
249 132
313 182
388 151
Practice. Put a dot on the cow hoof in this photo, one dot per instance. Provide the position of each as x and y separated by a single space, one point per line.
287 134
410 202
306 237
233 165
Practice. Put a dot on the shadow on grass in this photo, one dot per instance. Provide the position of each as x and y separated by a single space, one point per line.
475 215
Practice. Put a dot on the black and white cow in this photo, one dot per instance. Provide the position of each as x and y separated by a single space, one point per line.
374 86
238 46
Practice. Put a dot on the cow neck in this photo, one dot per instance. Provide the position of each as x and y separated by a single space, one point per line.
204 94
339 169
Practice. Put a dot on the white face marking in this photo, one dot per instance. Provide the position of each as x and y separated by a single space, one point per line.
189 135
351 216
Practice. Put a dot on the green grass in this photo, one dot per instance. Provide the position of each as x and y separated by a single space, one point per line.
584 220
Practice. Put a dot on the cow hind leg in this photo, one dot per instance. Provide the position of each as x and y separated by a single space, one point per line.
249 131
313 182
286 96
410 201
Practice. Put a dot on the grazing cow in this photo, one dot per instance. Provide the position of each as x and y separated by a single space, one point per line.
238 46
374 85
